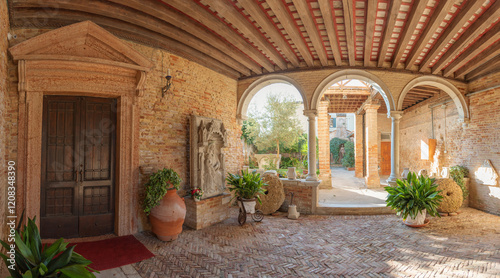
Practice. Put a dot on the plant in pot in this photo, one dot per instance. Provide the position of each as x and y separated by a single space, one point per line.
28 257
247 188
413 198
165 208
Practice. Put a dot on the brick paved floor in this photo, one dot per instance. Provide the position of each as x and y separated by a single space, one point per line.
467 245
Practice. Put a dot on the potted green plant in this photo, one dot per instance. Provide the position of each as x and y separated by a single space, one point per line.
165 208
28 257
413 198
247 188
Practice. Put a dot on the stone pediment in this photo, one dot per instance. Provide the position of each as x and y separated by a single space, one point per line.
83 41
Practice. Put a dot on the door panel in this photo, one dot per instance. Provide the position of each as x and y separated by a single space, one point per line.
77 166
385 164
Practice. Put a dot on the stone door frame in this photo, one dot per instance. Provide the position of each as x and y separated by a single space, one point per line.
75 74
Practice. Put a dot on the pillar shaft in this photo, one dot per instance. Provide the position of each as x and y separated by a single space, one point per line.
358 147
372 177
311 144
395 117
325 173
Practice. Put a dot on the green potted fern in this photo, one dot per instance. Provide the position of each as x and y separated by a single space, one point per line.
165 208
33 259
413 198
247 187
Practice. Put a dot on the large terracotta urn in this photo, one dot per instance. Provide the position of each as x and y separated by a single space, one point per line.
167 217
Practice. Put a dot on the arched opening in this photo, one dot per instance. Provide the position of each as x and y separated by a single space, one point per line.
273 132
353 129
434 111
260 83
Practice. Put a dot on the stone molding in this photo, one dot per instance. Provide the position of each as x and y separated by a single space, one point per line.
80 60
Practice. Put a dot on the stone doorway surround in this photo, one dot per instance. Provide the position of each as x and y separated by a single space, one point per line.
81 59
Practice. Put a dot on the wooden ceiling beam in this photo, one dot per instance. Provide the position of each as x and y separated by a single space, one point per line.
472 32
483 57
197 12
490 65
181 21
326 12
281 13
389 27
139 19
226 10
130 31
440 12
310 26
480 45
260 17
450 31
371 15
405 37
349 31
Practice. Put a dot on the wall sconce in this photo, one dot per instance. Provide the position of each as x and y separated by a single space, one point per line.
167 86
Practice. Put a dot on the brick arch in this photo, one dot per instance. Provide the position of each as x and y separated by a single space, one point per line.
375 81
446 86
260 83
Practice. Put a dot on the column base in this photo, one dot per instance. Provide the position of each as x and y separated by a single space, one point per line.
372 181
392 181
312 177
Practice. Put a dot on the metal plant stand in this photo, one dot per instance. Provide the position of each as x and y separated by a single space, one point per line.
242 216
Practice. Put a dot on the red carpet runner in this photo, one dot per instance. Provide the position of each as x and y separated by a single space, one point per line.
113 252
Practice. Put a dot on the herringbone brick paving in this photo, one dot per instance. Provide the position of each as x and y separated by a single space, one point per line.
467 245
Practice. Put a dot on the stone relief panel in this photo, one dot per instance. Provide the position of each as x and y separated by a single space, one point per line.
208 172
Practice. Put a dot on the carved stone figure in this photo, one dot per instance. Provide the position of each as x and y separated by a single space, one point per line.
208 138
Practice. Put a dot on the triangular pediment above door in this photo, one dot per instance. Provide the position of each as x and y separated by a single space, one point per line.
80 41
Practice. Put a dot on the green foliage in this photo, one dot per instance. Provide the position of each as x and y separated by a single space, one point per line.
248 131
300 146
251 163
335 144
458 173
35 260
289 162
157 187
348 159
247 185
270 164
277 126
413 195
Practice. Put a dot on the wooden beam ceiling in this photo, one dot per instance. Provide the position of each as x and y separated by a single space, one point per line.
242 38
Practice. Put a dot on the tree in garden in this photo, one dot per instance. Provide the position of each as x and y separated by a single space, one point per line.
348 160
277 125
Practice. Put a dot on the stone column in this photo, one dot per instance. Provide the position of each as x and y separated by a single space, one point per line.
395 117
311 144
372 178
358 147
325 174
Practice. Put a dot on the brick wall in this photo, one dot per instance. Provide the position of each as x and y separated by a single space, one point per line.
164 121
207 212
4 29
468 146
304 195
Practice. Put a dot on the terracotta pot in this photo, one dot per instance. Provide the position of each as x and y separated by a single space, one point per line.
167 218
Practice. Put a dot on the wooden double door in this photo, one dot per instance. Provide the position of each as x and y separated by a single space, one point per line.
78 166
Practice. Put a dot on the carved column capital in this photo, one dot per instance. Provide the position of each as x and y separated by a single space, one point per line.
396 115
311 113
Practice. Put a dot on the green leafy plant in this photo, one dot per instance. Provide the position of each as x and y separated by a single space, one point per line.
158 185
348 159
33 260
289 162
413 195
458 173
248 185
335 145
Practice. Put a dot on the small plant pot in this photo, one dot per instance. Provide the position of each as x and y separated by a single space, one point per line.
418 220
249 205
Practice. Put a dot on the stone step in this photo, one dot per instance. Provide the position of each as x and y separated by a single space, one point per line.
350 209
